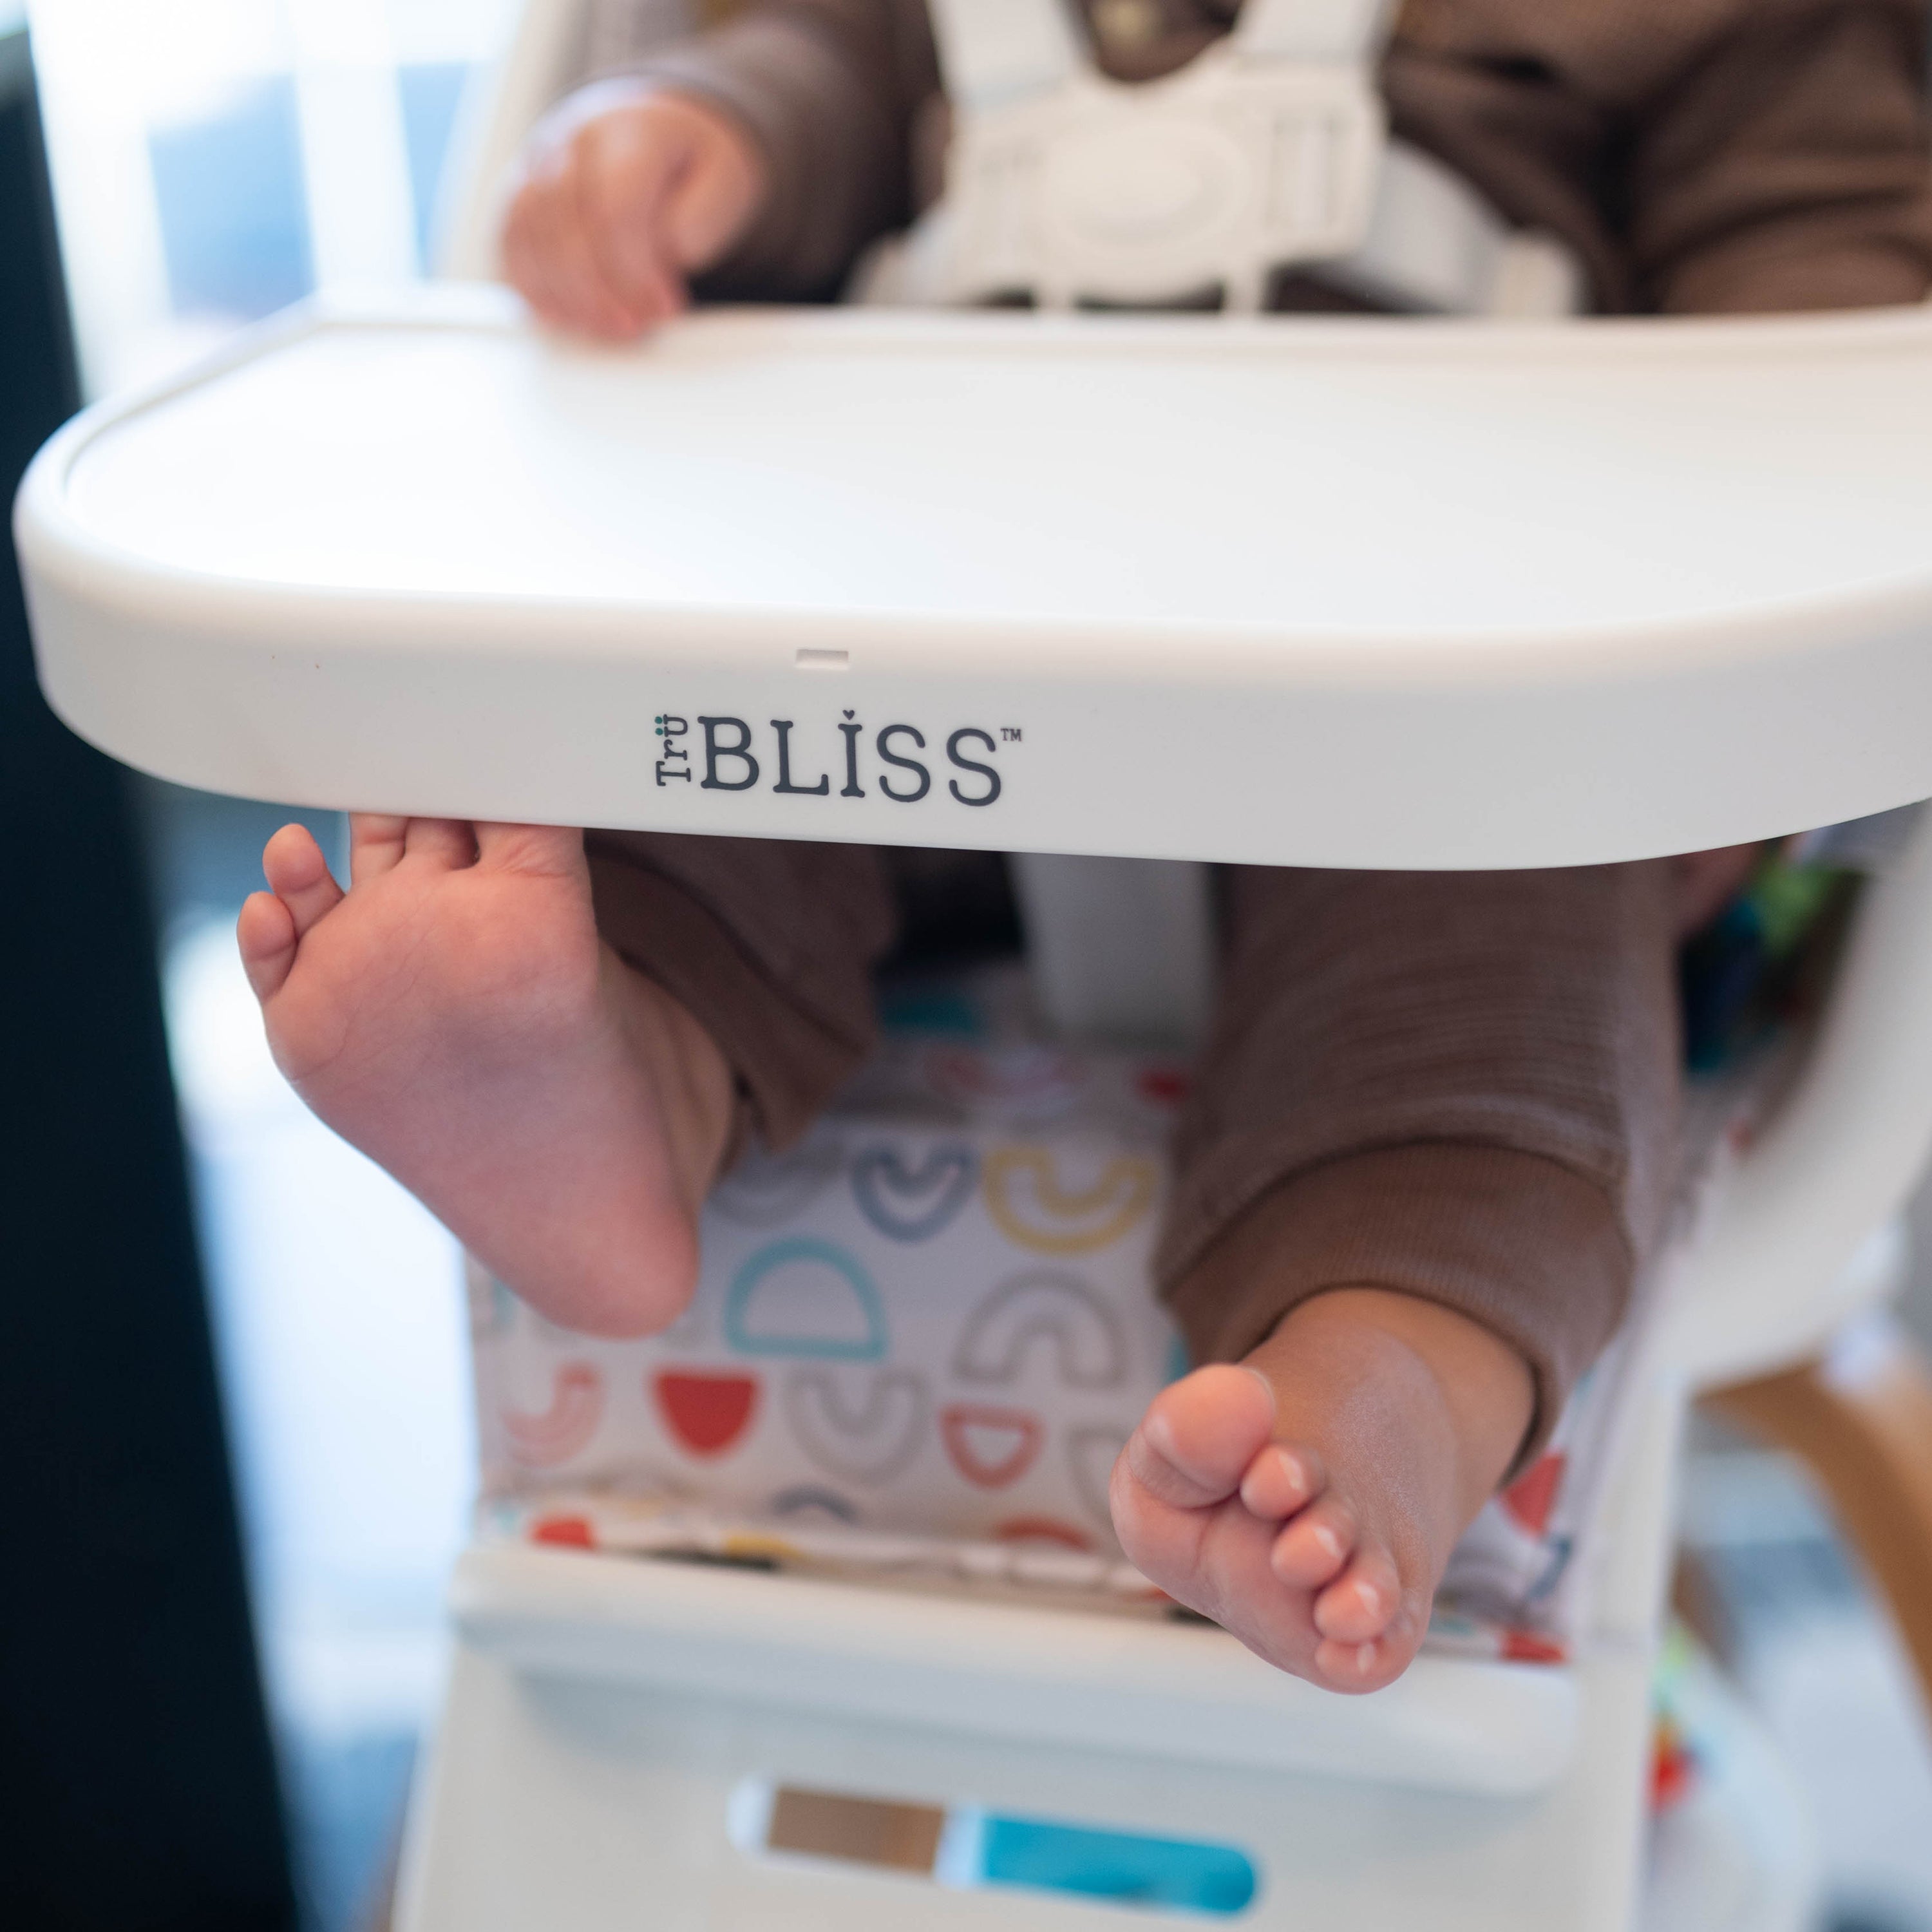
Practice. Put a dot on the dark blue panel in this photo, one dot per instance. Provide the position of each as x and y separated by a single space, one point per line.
137 1789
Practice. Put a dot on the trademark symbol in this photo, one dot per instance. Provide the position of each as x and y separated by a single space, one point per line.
1010 733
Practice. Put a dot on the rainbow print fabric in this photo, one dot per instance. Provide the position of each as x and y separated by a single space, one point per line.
919 1340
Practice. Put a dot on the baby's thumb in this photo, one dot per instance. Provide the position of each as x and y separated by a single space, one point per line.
711 207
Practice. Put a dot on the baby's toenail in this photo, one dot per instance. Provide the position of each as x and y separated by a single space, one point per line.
1365 1659
1330 1543
1369 1597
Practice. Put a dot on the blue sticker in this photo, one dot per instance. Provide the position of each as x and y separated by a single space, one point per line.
804 1296
1165 1875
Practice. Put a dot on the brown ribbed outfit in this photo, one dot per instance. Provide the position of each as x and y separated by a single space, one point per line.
1699 155
1462 1086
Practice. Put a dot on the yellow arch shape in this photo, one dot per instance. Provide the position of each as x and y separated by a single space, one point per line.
1122 1194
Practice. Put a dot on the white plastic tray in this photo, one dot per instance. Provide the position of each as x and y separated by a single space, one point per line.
1371 593
1050 1675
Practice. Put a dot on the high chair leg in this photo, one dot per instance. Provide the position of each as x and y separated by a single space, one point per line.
1860 1418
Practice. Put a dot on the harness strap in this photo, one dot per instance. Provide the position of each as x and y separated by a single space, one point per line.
1431 241
995 50
1338 30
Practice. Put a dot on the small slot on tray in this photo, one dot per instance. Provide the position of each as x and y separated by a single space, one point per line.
811 659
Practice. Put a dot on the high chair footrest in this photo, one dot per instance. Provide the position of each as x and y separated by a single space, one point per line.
1090 1679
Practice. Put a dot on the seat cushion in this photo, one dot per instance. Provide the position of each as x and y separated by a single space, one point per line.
919 1339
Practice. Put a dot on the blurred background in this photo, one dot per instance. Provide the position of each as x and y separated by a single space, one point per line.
212 161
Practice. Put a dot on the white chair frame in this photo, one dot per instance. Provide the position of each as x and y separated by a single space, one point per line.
601 1715
609 1723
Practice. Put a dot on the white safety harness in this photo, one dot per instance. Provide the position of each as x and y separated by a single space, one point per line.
1269 150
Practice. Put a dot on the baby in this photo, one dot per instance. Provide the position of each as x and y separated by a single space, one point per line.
1434 1127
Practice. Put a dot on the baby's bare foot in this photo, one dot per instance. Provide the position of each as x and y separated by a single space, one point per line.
455 1016
1307 1501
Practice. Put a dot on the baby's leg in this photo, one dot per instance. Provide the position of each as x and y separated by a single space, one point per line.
1432 1141
462 1016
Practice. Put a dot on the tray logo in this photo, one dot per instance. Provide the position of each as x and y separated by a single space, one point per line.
721 753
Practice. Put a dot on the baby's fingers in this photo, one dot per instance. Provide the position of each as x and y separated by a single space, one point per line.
628 166
712 201
548 254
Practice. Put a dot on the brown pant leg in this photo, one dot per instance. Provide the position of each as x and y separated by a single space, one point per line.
769 943
1462 1086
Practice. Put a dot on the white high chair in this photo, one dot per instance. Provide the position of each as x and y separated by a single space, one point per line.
1541 595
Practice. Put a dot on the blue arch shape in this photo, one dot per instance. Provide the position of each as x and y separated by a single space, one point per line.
746 1283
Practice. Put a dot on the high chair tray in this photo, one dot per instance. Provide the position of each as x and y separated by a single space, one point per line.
1368 593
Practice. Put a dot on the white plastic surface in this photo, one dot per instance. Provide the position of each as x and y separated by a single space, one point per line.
1074 1679
1119 949
1799 1242
991 50
558 1802
1267 151
602 1713
1365 594
1740 1853
1066 186
592 1801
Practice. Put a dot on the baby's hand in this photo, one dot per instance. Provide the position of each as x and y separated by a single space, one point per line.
626 190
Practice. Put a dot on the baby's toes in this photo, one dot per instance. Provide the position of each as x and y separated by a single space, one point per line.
1314 1548
1361 1603
299 875
265 933
1200 1435
1372 1663
1281 1480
